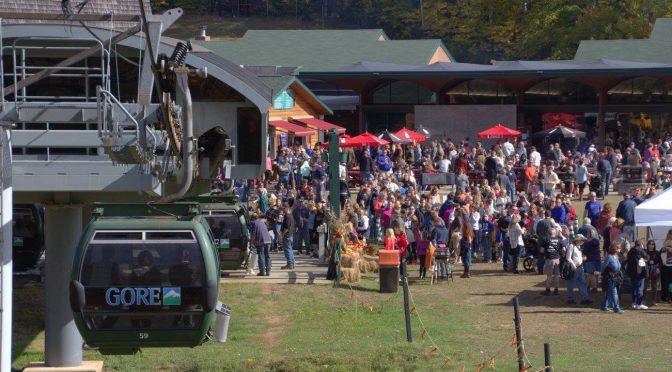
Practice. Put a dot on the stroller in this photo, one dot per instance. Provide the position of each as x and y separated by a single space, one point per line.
595 185
443 256
531 251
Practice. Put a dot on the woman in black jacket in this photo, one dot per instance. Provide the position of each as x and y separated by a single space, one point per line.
652 271
636 270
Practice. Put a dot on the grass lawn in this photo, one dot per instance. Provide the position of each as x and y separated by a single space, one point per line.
285 327
293 327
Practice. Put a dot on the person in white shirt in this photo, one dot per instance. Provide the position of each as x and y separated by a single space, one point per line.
444 165
516 233
535 157
507 148
475 220
342 171
575 260
392 186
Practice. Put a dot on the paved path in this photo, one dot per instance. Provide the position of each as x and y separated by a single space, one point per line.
307 271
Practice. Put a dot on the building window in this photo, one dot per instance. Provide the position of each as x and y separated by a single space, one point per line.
641 90
481 91
284 101
402 93
561 91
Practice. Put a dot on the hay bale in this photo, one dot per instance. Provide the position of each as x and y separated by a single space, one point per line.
363 266
350 260
369 258
350 275
373 266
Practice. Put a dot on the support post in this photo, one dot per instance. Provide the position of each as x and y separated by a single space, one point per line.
407 311
6 251
334 180
62 228
601 130
547 357
519 335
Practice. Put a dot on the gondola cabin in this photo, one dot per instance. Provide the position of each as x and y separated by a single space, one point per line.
28 235
229 222
145 276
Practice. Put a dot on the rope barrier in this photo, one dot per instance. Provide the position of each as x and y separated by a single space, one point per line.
488 360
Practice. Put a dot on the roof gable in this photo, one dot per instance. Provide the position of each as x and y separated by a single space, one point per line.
312 36
315 50
662 29
647 50
279 84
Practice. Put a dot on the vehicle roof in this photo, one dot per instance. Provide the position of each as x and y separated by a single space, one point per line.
168 223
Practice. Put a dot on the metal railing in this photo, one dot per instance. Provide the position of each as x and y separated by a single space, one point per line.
21 49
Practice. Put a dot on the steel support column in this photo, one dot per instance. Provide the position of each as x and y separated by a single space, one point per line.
602 99
62 228
6 253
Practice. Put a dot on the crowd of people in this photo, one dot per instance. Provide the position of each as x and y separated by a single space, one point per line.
507 202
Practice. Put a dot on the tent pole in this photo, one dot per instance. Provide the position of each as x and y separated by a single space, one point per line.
649 233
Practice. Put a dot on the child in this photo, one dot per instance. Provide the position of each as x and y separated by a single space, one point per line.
487 228
412 235
390 239
423 247
401 244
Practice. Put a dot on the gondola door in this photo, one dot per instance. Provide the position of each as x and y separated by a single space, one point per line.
231 234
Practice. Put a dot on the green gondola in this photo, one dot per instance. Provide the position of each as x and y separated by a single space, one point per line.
28 235
229 222
145 276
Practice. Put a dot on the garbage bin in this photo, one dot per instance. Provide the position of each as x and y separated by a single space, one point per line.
388 271
222 323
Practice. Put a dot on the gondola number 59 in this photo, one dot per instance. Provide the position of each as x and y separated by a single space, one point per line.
143 335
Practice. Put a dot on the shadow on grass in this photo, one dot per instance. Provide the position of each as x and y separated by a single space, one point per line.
28 307
359 288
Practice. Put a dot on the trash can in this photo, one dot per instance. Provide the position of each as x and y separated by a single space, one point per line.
222 323
388 271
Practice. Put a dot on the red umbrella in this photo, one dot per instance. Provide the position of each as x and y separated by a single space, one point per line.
344 141
499 131
368 139
410 135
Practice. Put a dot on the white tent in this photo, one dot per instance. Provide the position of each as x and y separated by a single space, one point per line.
656 215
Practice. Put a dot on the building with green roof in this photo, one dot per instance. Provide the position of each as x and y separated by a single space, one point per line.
323 50
657 48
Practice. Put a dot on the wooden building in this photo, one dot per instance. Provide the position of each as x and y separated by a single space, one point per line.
295 114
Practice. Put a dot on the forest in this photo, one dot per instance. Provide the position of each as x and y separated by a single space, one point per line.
476 31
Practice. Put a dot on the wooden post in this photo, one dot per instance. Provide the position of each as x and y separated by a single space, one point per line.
519 335
547 357
407 311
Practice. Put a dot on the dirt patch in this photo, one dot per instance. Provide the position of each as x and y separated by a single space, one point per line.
275 323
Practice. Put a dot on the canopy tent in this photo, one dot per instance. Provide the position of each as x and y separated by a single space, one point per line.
499 131
656 215
410 135
344 141
561 131
368 139
553 119
393 138
422 131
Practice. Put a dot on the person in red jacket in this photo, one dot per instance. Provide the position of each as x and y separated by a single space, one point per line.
402 244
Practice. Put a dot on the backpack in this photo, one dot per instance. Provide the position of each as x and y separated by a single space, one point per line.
566 270
611 275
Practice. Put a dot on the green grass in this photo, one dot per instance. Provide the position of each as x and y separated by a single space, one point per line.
316 327
282 327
